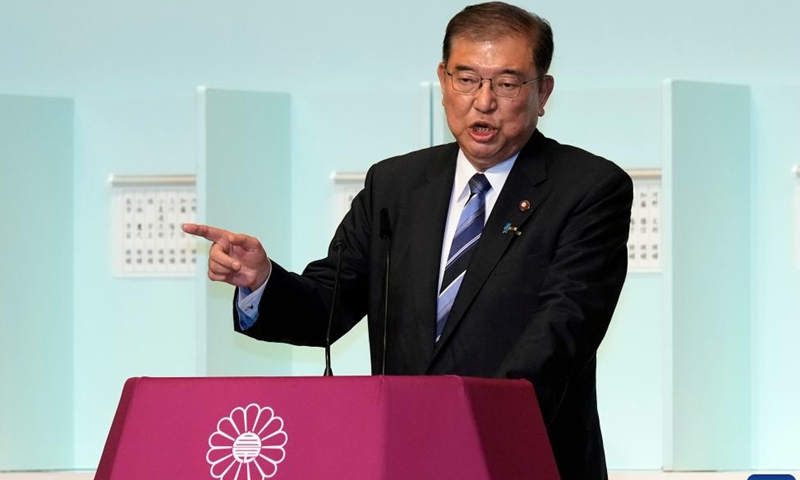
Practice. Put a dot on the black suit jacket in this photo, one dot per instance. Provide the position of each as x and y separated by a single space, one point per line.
533 306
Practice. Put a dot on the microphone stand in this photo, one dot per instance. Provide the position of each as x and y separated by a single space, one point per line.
338 246
386 238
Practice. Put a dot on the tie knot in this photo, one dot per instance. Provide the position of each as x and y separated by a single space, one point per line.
479 184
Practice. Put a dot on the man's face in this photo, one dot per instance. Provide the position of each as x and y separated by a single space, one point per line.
490 128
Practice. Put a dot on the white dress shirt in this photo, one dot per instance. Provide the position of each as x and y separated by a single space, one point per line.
496 175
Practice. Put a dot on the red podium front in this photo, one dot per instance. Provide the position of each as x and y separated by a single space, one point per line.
339 428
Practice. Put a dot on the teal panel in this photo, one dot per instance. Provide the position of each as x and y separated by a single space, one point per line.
709 172
36 368
776 281
244 186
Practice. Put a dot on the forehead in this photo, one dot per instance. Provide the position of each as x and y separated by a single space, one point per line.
502 53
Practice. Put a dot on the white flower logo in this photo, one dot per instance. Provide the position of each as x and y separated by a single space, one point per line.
247 445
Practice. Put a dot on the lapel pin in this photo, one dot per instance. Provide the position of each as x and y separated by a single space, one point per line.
524 206
507 228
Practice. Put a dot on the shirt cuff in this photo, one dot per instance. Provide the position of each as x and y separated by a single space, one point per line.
247 303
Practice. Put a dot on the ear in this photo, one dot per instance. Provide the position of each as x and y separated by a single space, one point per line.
442 74
545 89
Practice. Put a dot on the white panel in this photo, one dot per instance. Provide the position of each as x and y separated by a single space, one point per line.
148 240
644 242
346 187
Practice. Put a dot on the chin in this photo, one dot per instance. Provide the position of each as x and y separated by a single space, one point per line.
484 153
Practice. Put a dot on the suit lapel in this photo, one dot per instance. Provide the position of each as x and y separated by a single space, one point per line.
525 183
429 203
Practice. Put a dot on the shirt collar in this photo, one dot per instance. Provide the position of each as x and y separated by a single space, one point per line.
464 171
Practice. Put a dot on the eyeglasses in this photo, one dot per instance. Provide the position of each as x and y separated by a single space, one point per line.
503 85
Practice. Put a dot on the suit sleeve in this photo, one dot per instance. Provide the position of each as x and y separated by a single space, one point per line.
578 294
295 308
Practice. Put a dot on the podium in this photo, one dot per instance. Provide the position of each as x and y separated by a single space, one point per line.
348 428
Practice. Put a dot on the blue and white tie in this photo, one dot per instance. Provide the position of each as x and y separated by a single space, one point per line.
468 232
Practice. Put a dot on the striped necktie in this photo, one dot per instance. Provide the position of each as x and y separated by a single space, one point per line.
468 231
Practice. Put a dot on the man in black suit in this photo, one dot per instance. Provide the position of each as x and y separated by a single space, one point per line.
529 295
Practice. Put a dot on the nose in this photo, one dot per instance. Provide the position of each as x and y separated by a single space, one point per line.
485 99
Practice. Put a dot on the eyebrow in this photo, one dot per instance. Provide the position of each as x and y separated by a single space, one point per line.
506 71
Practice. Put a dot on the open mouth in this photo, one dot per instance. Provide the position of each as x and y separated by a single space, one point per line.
482 131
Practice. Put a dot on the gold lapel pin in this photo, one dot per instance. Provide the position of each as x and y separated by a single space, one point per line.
524 206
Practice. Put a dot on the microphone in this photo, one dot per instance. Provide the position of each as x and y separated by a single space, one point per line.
386 237
337 245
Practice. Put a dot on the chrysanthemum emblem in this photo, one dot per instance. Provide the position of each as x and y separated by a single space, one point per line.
247 445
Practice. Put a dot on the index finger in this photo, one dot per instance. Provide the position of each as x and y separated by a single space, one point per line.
208 232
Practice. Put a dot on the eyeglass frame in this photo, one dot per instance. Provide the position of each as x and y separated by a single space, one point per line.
491 83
